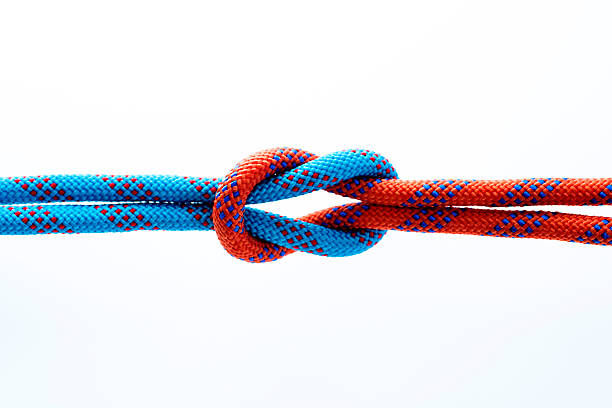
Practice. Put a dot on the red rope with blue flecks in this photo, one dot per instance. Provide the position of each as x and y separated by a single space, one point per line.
112 203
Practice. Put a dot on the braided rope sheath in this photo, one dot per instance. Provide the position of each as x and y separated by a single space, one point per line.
110 203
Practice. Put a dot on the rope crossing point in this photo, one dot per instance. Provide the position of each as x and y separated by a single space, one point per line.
111 203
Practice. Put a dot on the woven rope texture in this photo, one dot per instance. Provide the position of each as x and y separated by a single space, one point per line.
116 203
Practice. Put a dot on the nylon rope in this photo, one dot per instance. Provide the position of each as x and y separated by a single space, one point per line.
116 203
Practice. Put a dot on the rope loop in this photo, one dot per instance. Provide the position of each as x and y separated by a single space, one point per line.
281 173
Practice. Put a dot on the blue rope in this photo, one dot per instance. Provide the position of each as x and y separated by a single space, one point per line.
112 203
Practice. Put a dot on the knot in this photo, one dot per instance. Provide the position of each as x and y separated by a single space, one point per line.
281 173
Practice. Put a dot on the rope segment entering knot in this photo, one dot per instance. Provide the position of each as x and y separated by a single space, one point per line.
283 173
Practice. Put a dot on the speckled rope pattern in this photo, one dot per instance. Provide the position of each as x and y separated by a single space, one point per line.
112 203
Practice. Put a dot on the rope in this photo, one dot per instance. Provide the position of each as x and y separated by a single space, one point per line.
112 203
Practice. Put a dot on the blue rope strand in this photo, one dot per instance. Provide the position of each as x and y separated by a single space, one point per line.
336 167
95 218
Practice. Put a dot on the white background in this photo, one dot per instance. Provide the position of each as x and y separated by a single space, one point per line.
473 89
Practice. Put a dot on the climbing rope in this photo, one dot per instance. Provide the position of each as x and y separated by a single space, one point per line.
112 203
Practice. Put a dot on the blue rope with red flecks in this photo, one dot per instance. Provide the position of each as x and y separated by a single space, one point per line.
111 203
